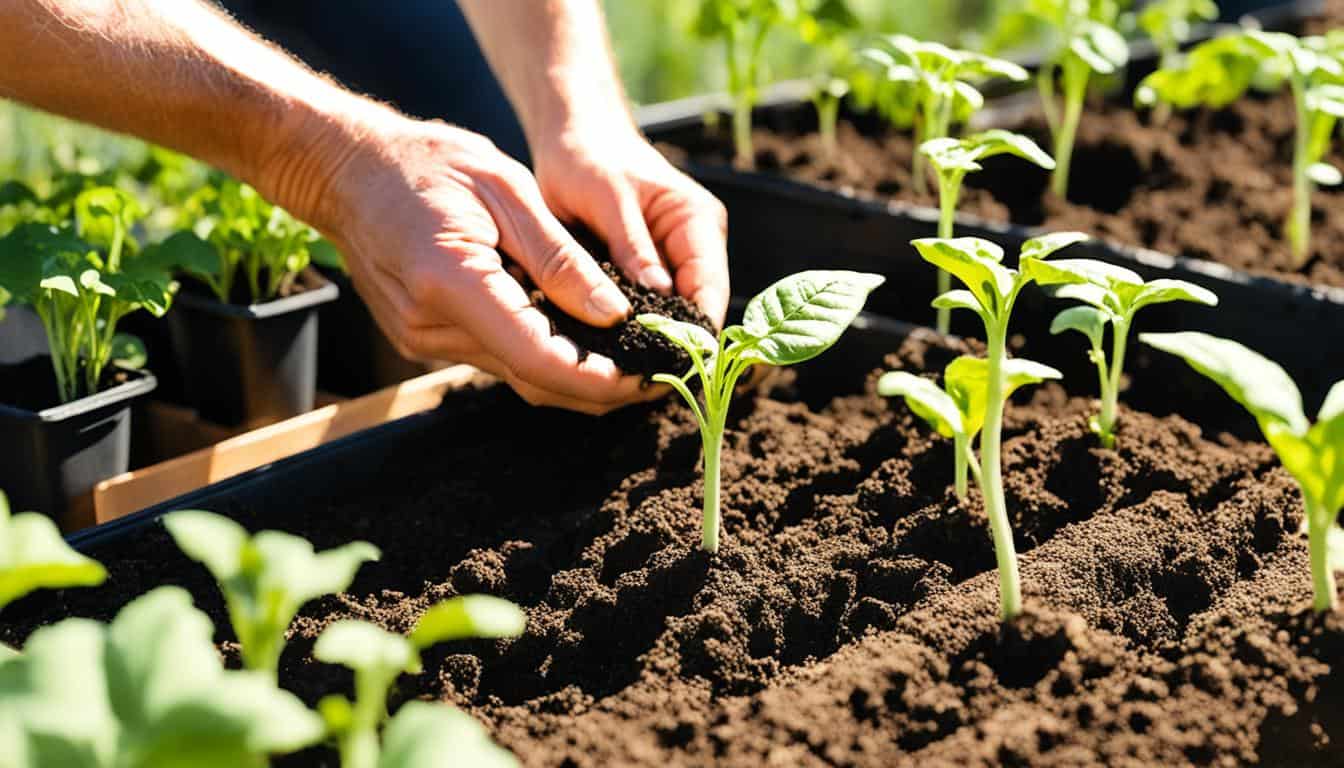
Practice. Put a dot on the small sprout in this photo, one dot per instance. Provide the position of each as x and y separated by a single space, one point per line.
790 322
33 556
829 91
147 690
991 292
1086 42
1114 295
825 29
378 658
958 410
952 159
931 87
1312 453
1168 24
1218 72
266 578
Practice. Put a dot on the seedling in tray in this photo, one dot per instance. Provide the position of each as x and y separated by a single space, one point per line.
952 159
931 87
420 730
1112 295
1218 72
991 292
1312 453
793 320
265 578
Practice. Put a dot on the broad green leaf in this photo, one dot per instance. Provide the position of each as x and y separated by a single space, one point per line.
802 315
1215 73
949 154
34 556
926 399
325 254
976 263
1088 293
1044 246
966 379
425 735
362 646
182 251
26 253
468 616
101 212
128 352
1164 290
16 192
1257 383
1073 271
1089 321
688 336
958 299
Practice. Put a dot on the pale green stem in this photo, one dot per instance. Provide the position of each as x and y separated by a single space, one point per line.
828 115
1299 218
964 457
1110 394
991 477
917 182
1045 87
1075 92
712 522
1318 541
949 189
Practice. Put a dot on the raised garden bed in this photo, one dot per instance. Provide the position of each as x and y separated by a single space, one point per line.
850 617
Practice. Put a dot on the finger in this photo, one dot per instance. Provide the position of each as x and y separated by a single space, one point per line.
698 251
539 396
563 270
621 224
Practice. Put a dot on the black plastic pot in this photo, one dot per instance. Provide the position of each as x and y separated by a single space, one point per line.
59 453
353 356
254 364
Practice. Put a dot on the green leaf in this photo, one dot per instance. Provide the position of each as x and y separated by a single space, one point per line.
975 262
967 381
1089 321
802 315
1103 49
1046 245
265 578
30 251
1163 290
689 336
926 399
325 254
424 735
362 646
34 556
16 192
1214 73
958 299
468 616
182 251
948 154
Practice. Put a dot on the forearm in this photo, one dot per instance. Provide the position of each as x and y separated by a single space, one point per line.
181 74
554 60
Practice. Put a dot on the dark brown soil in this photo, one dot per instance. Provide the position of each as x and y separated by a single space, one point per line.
850 618
31 384
1212 185
633 348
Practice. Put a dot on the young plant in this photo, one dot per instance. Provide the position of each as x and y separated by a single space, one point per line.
33 556
933 87
81 281
793 320
952 159
1112 295
1168 24
957 411
991 292
825 29
1312 453
1218 72
1086 42
419 731
147 691
266 578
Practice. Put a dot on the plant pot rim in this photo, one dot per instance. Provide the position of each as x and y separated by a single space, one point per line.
323 292
142 382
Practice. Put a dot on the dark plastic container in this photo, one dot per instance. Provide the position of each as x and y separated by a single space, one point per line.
57 454
254 364
353 356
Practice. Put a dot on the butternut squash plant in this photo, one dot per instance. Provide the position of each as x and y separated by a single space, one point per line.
792 321
1312 453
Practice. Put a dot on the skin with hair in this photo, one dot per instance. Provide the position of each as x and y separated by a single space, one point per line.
422 211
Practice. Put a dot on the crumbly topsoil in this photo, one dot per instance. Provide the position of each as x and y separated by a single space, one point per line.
851 615
1207 184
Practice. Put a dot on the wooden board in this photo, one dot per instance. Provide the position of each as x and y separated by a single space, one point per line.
133 491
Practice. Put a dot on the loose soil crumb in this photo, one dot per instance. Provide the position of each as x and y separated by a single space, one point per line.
851 616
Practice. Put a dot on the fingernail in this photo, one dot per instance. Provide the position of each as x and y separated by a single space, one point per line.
656 278
608 303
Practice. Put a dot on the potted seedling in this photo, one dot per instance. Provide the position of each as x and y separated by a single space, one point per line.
1085 41
1111 296
790 322
952 159
977 392
66 419
1220 71
245 328
1312 453
931 87
825 30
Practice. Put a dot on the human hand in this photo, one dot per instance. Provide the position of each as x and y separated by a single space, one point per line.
423 212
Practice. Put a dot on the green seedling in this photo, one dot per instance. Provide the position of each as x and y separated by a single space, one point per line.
957 411
790 322
419 731
1218 72
952 159
1312 453
147 691
991 292
266 578
825 29
1168 23
931 87
82 280
1112 296
1086 42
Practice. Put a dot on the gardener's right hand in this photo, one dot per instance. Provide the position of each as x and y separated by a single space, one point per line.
422 212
